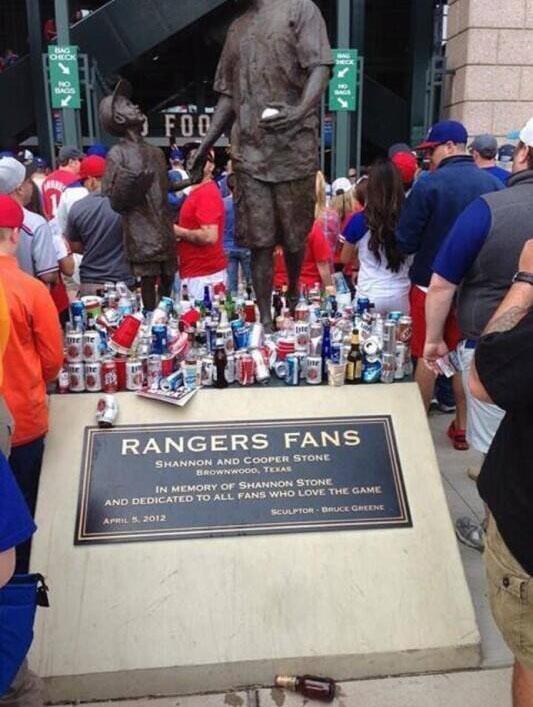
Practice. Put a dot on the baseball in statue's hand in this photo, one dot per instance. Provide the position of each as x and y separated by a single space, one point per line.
280 117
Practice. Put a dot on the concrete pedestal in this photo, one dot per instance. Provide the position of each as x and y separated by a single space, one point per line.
192 616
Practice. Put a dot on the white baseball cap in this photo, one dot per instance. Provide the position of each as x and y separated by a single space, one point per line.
342 184
12 174
525 135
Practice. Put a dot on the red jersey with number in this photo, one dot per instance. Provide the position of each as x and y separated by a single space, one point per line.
203 207
318 250
53 186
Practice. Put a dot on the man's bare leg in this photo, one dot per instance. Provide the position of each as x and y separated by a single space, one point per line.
263 278
293 263
522 686
426 382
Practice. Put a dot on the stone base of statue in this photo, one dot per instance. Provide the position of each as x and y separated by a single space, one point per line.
250 533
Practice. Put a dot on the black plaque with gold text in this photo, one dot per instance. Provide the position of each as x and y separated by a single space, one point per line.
197 480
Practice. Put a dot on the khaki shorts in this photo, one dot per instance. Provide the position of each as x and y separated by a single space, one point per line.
511 596
268 214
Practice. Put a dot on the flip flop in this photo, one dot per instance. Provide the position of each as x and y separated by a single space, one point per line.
458 437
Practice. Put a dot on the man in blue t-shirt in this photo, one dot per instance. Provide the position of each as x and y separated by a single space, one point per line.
16 526
484 150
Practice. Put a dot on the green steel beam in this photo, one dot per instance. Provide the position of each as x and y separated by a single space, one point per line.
70 122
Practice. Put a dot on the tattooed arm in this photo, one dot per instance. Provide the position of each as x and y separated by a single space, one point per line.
511 311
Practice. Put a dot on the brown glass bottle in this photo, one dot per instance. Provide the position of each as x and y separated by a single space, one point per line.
322 689
354 362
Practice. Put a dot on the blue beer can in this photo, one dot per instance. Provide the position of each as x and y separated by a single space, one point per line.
241 335
159 339
77 313
292 377
372 370
363 304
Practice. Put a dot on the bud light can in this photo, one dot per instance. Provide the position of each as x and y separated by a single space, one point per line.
363 305
172 382
292 376
63 381
371 369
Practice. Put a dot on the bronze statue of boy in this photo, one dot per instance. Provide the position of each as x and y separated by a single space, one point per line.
136 182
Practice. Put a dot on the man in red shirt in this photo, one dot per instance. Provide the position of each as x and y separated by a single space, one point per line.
200 235
32 358
68 174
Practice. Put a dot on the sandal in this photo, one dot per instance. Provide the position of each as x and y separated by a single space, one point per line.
458 437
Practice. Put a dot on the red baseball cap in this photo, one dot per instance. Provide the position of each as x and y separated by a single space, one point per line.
406 165
11 215
92 166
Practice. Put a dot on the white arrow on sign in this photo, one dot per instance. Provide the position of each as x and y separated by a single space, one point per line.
344 72
344 104
64 69
66 101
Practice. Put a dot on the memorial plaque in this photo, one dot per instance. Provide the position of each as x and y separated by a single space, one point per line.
171 481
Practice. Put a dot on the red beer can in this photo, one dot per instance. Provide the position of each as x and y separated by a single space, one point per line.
120 362
109 376
167 365
245 369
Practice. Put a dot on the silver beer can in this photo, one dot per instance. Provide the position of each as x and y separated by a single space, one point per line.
389 337
134 374
93 376
76 377
74 346
388 367
206 374
313 372
401 361
255 340
231 370
262 374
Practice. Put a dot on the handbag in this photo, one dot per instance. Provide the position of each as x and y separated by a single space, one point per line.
19 599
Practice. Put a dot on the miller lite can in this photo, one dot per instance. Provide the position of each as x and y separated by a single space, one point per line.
301 332
63 383
74 343
106 411
91 346
313 370
93 376
76 377
134 374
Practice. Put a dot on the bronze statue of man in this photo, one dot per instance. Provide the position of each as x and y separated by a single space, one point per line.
274 68
136 182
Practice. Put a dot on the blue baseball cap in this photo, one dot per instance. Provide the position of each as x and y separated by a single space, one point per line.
177 154
445 131
98 149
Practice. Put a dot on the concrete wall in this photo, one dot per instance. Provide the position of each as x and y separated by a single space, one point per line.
490 48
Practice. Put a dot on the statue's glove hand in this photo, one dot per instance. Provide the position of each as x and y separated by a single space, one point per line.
196 166
288 117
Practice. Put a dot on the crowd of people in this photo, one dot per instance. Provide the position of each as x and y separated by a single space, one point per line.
440 232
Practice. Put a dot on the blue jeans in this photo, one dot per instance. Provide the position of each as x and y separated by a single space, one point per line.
238 256
25 461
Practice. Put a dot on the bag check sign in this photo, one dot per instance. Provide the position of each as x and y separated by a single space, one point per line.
343 86
64 76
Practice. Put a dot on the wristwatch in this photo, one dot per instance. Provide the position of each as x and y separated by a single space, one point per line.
523 277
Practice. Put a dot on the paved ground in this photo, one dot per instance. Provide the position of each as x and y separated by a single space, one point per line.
488 687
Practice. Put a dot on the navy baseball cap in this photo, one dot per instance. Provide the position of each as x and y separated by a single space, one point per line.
177 154
98 149
445 131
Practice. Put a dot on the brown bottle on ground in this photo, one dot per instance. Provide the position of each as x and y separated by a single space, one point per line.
315 688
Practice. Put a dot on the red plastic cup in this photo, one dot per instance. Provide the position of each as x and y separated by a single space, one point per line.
123 338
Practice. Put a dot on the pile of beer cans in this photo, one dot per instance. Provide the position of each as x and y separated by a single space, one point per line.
111 345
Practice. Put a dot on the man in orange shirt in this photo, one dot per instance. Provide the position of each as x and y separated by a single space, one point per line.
32 358
6 421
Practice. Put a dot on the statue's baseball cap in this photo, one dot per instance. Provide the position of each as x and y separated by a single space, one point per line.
525 135
107 108
445 131
11 214
12 174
